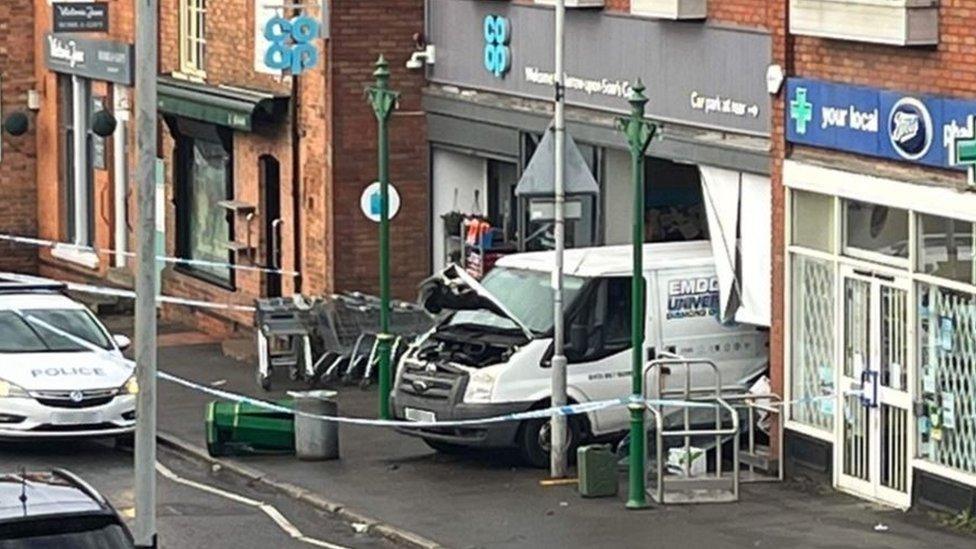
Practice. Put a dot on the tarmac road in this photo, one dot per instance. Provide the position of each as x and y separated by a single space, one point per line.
187 517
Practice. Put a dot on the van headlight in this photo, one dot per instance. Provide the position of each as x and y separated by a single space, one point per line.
9 390
130 387
481 383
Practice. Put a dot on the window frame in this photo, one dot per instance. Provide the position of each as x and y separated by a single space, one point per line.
193 38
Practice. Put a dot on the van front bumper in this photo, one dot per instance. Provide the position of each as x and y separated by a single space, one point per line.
491 435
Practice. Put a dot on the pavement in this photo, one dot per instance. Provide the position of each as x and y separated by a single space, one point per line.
490 500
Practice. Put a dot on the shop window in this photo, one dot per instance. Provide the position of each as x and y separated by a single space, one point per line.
204 172
875 231
947 377
945 248
673 204
812 221
193 42
76 188
502 203
812 344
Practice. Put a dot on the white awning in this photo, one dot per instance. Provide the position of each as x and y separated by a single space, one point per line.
720 190
755 267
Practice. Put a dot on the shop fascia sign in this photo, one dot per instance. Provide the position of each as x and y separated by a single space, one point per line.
80 16
290 43
96 59
920 129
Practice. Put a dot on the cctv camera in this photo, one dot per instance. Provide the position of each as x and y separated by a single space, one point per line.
422 57
415 62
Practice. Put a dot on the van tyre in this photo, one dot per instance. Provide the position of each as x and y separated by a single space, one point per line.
533 441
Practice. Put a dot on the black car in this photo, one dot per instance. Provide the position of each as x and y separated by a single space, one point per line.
56 509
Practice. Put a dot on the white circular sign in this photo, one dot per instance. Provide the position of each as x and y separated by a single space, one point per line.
369 202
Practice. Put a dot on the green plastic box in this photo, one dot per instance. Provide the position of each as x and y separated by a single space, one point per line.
245 429
597 469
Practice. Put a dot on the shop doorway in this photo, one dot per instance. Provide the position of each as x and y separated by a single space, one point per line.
270 171
872 459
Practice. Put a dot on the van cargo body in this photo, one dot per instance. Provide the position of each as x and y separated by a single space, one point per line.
490 353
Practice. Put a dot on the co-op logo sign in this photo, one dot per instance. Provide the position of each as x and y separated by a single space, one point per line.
497 54
874 122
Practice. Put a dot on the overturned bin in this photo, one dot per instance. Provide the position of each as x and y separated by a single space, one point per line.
316 439
243 429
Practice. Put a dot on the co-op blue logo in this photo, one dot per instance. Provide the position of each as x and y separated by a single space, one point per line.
498 56
291 43
910 128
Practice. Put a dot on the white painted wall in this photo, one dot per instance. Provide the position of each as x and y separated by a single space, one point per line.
457 180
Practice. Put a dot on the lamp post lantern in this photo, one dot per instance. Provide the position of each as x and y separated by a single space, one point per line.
639 133
383 100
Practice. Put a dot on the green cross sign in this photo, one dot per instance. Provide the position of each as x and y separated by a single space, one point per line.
963 148
801 110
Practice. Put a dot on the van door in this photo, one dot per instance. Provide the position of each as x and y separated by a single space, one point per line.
598 349
689 327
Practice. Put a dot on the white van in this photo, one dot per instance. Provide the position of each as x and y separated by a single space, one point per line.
490 354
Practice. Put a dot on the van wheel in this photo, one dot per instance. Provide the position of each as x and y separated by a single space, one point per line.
445 447
534 441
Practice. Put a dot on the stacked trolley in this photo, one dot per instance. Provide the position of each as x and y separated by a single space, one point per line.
330 338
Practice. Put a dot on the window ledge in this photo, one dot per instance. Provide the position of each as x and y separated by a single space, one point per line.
897 22
85 258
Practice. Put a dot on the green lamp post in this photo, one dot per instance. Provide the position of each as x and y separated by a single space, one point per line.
384 100
639 133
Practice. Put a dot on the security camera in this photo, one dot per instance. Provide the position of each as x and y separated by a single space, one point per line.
422 57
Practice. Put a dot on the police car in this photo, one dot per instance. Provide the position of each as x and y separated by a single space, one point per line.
61 372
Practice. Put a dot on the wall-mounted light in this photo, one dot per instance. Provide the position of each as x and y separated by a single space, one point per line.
16 124
774 78
103 123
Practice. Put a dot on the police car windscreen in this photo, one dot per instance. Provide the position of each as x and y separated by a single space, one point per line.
19 335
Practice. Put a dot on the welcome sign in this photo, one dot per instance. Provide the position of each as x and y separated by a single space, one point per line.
875 122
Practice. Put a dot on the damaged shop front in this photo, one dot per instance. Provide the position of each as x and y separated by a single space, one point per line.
488 108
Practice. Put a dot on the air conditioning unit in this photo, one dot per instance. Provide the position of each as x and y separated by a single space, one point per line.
573 3
670 9
896 22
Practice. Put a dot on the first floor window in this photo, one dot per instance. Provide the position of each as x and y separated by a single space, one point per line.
812 356
76 171
204 227
947 377
193 41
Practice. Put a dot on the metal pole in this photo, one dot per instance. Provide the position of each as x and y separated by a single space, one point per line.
639 133
558 462
145 442
383 100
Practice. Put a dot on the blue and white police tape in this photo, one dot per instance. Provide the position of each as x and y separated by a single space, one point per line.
128 294
568 410
165 259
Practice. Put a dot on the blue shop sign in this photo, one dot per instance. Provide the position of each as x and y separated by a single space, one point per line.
870 121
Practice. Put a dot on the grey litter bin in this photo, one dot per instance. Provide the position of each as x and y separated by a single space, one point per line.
316 439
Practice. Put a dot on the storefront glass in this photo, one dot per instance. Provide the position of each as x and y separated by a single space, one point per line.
204 225
875 229
945 248
812 342
947 377
813 221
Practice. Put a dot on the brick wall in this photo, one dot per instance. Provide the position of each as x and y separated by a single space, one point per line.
749 13
18 195
361 31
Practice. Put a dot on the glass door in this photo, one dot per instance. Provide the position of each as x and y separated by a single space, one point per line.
873 454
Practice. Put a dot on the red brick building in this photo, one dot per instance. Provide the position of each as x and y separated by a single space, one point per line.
18 195
258 168
873 247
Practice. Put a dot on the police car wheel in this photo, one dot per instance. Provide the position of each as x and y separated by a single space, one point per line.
534 441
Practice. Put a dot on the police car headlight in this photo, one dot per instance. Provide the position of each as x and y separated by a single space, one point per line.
481 383
131 387
9 390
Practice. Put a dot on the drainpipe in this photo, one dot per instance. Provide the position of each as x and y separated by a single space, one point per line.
296 183
120 175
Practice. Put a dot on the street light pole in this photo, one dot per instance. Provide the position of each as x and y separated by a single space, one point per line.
145 440
558 460
639 133
383 100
